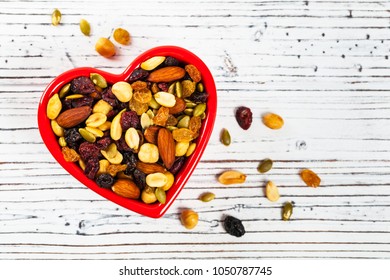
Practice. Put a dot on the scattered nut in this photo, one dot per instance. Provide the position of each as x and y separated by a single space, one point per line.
189 218
273 121
105 47
310 178
85 28
232 177
122 36
272 192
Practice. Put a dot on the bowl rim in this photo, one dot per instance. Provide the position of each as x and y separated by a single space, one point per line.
155 210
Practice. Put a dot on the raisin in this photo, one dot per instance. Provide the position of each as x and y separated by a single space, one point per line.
138 74
244 117
89 150
171 61
72 138
105 180
193 72
139 179
103 143
84 101
109 97
91 167
177 165
234 226
130 159
122 145
66 104
130 119
82 85
163 86
199 97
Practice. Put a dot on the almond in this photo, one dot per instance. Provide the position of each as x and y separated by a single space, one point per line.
149 168
74 116
167 74
126 188
179 106
151 133
166 147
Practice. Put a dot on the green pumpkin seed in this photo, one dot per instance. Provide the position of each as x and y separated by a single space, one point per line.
88 136
225 137
98 80
160 195
287 211
85 27
179 89
207 197
199 109
203 116
200 87
154 104
171 128
64 90
184 122
265 166
56 17
74 96
191 104
171 89
188 111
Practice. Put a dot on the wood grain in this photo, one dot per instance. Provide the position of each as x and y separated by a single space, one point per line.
322 65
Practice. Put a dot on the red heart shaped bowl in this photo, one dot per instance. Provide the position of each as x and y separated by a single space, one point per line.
155 210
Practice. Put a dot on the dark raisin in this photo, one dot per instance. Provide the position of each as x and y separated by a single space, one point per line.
84 101
91 167
234 226
109 97
122 145
244 117
82 85
163 86
177 165
171 61
89 150
122 105
130 159
72 138
105 180
138 74
66 104
130 119
103 143
199 97
139 179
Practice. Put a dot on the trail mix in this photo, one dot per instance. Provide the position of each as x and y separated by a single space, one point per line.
133 136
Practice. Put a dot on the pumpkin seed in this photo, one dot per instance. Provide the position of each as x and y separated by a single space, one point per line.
64 90
200 87
225 137
184 122
56 17
154 104
178 89
98 80
171 89
265 166
191 149
160 195
207 197
188 111
85 27
190 104
88 136
74 96
199 109
287 211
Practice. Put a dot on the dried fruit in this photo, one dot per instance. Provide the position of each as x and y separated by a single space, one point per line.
129 119
265 165
105 47
85 28
82 85
113 169
122 36
56 17
138 107
187 88
310 178
73 117
225 137
234 226
143 95
166 74
70 155
272 192
273 121
189 218
183 135
54 107
287 211
148 153
244 117
166 147
232 177
161 117
152 62
207 197
105 180
193 72
195 124
126 188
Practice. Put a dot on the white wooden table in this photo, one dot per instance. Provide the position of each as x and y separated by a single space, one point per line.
322 65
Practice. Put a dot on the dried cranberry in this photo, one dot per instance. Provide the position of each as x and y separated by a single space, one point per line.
244 117
139 178
84 101
122 145
72 137
91 167
199 97
163 86
88 150
112 114
103 143
138 74
109 97
234 226
105 180
171 61
177 165
82 85
129 119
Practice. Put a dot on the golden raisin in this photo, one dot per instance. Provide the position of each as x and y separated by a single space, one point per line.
138 85
183 135
188 88
195 124
142 95
70 155
122 36
138 107
161 117
310 178
113 169
193 72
